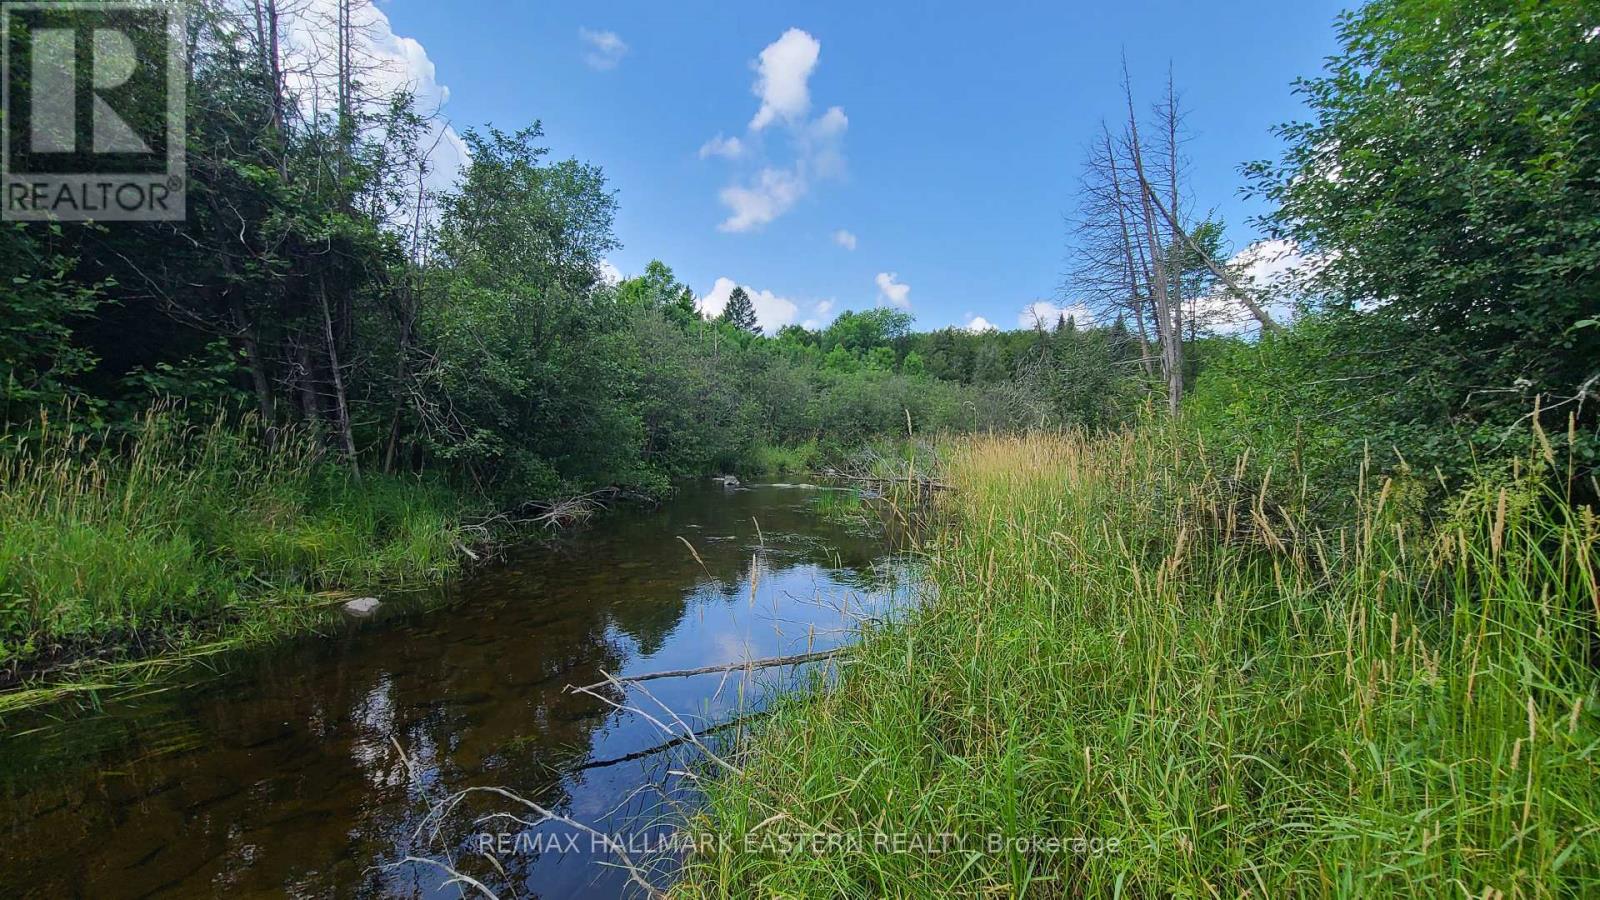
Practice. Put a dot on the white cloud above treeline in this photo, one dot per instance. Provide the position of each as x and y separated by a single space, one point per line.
783 73
892 291
815 147
602 50
1275 269
726 147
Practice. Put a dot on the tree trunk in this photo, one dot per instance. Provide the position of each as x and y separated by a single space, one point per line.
341 404
1166 321
1127 253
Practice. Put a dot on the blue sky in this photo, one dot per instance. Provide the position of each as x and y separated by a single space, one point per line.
945 138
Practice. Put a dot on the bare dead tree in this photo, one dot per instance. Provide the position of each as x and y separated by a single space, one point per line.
1168 323
1136 251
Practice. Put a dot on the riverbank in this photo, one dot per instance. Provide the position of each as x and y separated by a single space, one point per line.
310 766
115 567
1136 675
122 563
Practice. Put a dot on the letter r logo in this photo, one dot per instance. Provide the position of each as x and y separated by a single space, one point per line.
55 95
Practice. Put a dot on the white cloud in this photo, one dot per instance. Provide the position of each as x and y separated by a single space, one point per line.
782 73
609 273
978 324
844 239
1043 313
783 70
824 307
893 291
727 147
772 312
603 50
771 195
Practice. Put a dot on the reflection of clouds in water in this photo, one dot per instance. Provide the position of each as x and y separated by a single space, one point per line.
730 648
473 695
374 718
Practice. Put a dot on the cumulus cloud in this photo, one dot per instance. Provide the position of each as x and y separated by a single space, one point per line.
782 72
609 273
770 195
844 239
978 324
892 291
726 147
815 146
1043 313
602 50
772 312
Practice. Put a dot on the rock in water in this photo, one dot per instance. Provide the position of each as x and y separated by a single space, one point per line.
361 607
728 481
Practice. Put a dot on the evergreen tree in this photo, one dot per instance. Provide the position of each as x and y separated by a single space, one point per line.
740 312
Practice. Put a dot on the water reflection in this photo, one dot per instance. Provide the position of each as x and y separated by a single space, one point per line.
281 777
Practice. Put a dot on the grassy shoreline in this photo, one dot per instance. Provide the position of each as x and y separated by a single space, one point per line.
1128 646
122 563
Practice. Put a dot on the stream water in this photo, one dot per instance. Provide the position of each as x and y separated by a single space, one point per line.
282 774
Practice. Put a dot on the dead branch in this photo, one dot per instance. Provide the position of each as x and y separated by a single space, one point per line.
730 667
664 746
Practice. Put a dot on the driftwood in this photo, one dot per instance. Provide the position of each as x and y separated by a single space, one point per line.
730 667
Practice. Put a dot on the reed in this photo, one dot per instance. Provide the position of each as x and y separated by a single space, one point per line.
1128 644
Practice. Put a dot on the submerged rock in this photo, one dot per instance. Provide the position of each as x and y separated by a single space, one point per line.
728 481
361 607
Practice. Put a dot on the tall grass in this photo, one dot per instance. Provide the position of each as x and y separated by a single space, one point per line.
1128 646
111 548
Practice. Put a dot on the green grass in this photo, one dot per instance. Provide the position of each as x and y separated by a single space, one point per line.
764 460
840 505
185 539
1126 645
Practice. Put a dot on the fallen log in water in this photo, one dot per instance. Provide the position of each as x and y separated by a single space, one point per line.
767 663
920 481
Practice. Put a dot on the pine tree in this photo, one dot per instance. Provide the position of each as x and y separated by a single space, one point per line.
740 312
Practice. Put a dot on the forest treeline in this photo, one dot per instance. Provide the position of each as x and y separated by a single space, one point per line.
318 284
340 364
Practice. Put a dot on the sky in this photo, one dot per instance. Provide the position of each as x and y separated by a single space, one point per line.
831 156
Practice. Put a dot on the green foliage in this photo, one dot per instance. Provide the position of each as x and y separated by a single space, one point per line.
859 332
39 354
1450 179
